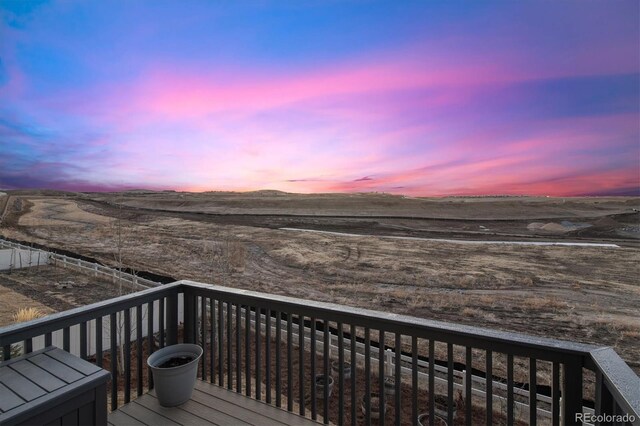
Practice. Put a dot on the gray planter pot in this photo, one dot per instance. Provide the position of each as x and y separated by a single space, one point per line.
346 369
442 407
375 407
321 383
423 420
389 385
174 385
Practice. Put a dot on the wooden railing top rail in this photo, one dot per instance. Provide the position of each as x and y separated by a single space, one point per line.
621 380
29 329
464 335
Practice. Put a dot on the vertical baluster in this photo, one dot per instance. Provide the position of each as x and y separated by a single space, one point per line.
161 324
66 339
114 361
289 363
533 392
468 383
83 340
151 344
340 375
312 380
203 335
48 339
268 355
238 359
170 316
220 344
247 347
98 342
325 371
432 385
229 349
6 352
381 375
258 354
139 349
278 362
509 389
354 360
28 346
301 364
398 374
191 334
414 380
127 355
212 346
367 376
489 387
450 383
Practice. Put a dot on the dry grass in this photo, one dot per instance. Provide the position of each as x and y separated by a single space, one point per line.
546 291
10 300
552 304
471 312
60 212
226 256
27 314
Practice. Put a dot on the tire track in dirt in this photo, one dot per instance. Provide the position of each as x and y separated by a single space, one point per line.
56 210
4 202
362 225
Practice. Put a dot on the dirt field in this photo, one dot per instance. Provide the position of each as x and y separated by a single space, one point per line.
52 289
11 302
583 293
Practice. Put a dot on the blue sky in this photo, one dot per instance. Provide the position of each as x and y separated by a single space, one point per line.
418 98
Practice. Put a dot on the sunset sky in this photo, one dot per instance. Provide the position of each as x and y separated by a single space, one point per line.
417 98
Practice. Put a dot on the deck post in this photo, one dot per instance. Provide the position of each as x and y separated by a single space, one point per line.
572 391
604 399
172 319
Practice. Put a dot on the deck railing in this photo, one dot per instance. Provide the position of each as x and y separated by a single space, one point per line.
273 348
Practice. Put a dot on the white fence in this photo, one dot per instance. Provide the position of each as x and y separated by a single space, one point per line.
17 258
84 266
97 270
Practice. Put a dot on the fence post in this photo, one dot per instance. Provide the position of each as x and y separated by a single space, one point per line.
172 319
571 390
388 364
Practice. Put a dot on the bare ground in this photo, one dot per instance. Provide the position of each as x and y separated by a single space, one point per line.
53 289
589 294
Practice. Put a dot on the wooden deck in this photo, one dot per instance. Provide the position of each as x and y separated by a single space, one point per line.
209 405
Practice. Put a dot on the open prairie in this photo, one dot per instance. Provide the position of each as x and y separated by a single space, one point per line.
480 261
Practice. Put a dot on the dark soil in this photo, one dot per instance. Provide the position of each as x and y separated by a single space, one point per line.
176 362
60 288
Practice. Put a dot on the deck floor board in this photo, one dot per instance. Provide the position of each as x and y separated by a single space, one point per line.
210 404
179 415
